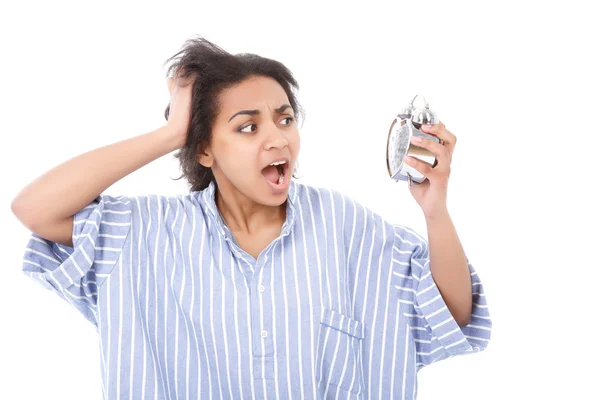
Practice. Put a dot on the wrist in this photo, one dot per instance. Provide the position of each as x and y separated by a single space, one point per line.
170 138
440 214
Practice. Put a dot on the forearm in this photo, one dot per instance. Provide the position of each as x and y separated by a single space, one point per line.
67 188
449 267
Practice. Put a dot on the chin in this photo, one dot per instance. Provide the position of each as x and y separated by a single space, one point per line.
270 199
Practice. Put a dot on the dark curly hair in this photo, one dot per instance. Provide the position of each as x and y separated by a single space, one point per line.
214 70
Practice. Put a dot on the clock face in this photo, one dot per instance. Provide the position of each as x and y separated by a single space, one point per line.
397 145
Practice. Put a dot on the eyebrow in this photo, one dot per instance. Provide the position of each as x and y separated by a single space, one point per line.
280 110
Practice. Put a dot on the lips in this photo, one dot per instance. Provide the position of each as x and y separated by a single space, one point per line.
279 189
278 160
275 174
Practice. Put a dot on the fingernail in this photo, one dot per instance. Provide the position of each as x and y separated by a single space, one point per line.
417 139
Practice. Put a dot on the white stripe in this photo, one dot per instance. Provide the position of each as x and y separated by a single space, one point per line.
449 333
405 289
385 320
275 324
377 288
43 255
401 275
433 314
288 360
439 296
456 343
479 327
477 338
310 302
442 323
298 301
223 317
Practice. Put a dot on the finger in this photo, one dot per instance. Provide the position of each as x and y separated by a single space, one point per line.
184 78
439 130
420 165
437 149
434 128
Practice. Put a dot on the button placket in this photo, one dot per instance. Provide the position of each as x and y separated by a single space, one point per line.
262 323
262 318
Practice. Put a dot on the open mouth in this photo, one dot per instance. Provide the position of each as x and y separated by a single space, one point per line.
276 173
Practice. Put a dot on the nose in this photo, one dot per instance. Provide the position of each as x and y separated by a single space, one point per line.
276 138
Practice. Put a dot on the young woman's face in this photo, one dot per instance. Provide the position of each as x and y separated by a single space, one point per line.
256 126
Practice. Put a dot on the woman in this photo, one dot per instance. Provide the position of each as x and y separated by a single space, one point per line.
252 285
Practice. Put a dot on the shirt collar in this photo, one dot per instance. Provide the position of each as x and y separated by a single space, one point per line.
207 200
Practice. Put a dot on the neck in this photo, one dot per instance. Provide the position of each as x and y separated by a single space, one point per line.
243 215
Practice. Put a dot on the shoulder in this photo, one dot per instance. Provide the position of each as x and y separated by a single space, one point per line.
148 207
356 213
337 206
358 220
322 197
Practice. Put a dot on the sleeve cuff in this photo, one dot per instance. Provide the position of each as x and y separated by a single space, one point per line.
452 338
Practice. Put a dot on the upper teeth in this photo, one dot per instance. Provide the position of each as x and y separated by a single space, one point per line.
278 163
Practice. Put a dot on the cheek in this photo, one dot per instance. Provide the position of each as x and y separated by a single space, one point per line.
294 142
231 155
240 159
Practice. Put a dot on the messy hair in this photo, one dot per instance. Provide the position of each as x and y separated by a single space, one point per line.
214 70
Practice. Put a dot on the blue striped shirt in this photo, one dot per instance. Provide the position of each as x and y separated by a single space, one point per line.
341 304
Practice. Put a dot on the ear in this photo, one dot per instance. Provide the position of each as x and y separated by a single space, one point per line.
206 158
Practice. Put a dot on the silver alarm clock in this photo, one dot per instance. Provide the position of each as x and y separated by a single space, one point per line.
406 125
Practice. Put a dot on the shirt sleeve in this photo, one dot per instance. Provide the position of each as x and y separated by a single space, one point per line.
75 273
435 332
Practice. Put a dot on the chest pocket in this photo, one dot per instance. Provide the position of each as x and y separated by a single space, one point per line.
339 366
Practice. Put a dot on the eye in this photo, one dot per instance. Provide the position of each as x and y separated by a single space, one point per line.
241 130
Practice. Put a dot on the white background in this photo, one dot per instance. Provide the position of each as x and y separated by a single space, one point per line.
516 82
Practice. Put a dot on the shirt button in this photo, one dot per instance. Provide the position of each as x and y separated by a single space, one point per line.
263 334
261 288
